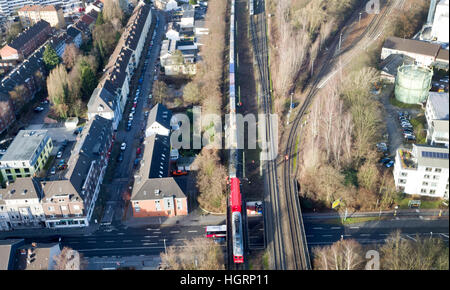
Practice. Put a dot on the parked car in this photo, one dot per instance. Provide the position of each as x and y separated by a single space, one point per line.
146 114
410 138
389 164
150 96
138 151
53 170
120 157
123 146
385 160
38 109
179 173
59 154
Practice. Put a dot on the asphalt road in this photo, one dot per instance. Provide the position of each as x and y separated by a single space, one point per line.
320 233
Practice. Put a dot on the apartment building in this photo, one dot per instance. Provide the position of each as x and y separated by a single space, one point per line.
70 201
422 171
27 154
158 122
31 14
22 201
104 104
166 5
8 7
424 53
437 116
27 42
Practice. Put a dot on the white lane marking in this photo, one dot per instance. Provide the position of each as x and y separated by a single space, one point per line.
383 235
309 236
365 235
127 241
145 240
411 238
174 232
92 242
150 236
317 228
445 235
335 228
261 229
327 235
192 231
347 235
109 241
354 227
156 233
146 244
181 239
121 234
150 229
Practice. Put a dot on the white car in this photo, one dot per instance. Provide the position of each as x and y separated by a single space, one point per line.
59 155
123 146
155 78
150 96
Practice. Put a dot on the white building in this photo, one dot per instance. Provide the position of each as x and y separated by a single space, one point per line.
422 171
7 7
158 121
437 115
440 30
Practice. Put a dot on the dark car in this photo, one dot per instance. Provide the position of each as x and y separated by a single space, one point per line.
389 164
120 157
385 160
410 138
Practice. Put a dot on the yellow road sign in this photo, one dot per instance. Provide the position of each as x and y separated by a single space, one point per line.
336 203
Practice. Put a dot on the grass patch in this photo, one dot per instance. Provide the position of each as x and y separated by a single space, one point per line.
426 203
354 220
265 260
397 103
419 128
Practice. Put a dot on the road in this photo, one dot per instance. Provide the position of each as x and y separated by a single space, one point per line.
375 232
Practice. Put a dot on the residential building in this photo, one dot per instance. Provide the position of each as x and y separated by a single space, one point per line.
31 14
187 20
104 104
96 6
22 200
422 171
8 7
37 256
27 154
437 116
166 5
76 36
158 122
27 42
424 53
440 30
8 250
7 116
70 201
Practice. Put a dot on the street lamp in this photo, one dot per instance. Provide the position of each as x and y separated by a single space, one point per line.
165 249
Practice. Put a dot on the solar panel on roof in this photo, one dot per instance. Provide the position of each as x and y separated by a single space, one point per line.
438 155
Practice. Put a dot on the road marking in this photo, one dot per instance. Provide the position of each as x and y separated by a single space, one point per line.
309 236
411 238
121 234
192 231
127 241
109 241
421 217
261 229
150 236
444 235
335 228
146 244
347 235
317 228
354 227
383 235
365 235
92 242
181 239
145 240
327 235
156 233
174 232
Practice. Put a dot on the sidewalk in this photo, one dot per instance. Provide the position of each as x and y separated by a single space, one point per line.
402 212
193 219
135 262
46 232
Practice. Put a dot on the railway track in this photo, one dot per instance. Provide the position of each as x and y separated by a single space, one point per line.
371 32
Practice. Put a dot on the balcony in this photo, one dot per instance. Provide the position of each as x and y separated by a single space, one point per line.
407 160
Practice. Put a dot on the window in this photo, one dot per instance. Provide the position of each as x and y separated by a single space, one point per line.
8 171
438 170
435 177
157 205
404 174
433 184
432 191
425 183
27 170
17 170
428 169
50 208
76 207
402 181
179 203
426 176
137 209
423 190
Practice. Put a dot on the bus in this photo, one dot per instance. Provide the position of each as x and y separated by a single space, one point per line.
216 231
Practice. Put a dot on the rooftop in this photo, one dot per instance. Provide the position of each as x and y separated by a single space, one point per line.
424 156
22 188
37 257
25 145
29 34
158 188
439 103
413 46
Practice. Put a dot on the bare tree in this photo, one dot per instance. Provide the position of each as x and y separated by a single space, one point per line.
342 255
70 55
69 259
196 254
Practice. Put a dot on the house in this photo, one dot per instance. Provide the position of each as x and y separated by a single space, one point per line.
27 154
37 256
31 14
70 201
422 171
187 20
22 200
104 104
172 33
8 250
158 121
159 197
97 6
7 116
424 53
437 116
76 36
27 42
166 5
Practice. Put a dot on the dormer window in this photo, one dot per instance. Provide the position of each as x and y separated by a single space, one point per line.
101 108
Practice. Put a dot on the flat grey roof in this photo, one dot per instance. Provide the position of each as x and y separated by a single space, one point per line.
425 157
439 103
25 145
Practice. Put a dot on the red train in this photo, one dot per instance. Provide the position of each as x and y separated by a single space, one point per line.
236 220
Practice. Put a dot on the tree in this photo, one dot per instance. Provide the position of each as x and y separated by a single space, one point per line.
88 80
100 20
58 90
112 9
193 2
13 31
19 96
70 55
69 259
191 93
196 254
342 255
424 253
50 57
159 91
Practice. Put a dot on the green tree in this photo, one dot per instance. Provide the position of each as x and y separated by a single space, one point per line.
50 57
88 80
193 2
100 19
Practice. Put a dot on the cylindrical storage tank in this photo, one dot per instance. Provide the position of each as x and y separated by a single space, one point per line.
412 84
